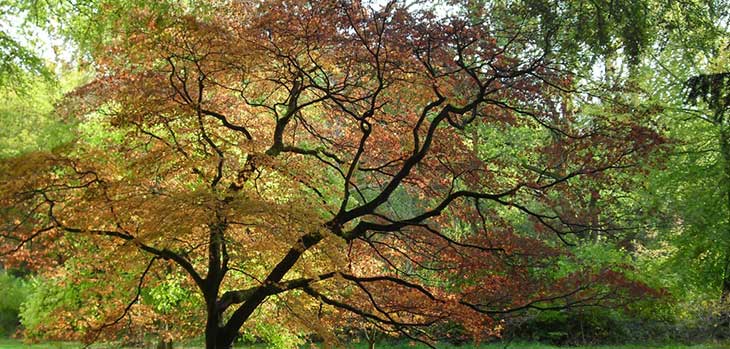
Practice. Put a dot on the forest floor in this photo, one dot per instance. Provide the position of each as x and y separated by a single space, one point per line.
17 344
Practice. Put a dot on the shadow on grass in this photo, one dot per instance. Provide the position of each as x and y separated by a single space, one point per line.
18 344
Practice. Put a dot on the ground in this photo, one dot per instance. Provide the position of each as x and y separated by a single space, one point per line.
16 344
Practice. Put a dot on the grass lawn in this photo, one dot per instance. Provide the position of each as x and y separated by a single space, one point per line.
17 344
517 345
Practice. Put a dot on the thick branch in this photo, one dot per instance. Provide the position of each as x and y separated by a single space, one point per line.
239 296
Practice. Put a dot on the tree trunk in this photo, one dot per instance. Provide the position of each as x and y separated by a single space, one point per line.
725 285
724 320
164 344
216 339
725 150
371 334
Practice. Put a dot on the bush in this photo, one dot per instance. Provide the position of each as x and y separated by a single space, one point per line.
13 292
588 326
275 336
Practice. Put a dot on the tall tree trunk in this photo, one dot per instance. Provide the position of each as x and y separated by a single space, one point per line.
724 320
725 150
216 336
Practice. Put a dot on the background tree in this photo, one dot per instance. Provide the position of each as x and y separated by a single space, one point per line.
683 194
631 58
692 190
17 54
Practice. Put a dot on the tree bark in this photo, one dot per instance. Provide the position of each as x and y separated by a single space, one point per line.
725 150
216 338
724 320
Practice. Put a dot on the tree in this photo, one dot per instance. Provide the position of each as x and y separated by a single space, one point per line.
13 294
312 158
18 59
682 200
686 200
27 115
712 89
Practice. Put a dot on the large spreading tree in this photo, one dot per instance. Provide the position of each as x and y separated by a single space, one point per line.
398 164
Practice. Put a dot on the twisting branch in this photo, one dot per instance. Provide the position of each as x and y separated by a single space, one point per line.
126 236
224 120
131 303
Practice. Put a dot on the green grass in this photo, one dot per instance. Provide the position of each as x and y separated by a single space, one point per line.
17 344
518 345
624 346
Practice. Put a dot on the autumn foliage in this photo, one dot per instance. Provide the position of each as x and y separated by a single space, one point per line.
295 161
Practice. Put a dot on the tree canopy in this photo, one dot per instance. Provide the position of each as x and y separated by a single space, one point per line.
296 162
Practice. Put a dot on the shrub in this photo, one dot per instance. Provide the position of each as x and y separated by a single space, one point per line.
13 292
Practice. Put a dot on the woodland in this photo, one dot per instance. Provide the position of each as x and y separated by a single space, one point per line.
294 173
